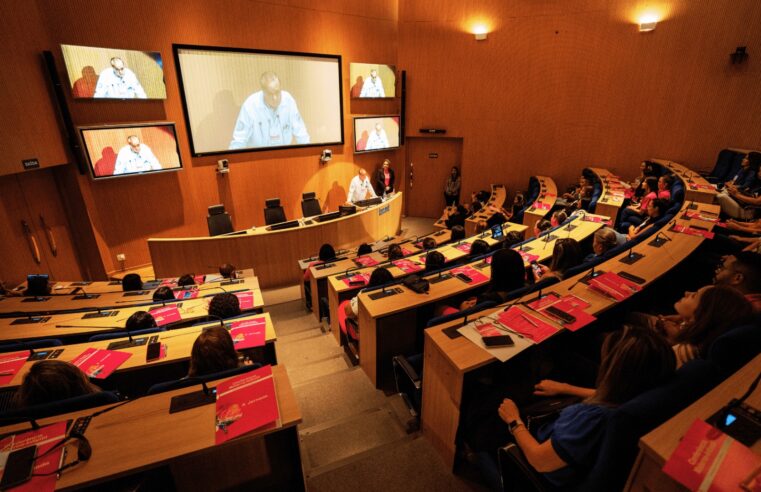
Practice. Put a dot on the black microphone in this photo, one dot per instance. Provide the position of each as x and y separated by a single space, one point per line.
221 320
590 274
85 295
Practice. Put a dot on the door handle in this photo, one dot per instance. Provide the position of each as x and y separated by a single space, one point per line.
49 235
32 242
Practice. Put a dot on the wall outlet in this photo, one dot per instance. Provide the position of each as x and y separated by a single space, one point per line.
121 257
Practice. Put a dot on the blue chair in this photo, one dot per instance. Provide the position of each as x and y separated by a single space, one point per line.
59 407
187 381
30 345
722 167
596 193
122 334
736 347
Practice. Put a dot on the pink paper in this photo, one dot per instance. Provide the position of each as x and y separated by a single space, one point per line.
169 281
575 307
186 294
166 315
691 231
407 266
246 300
245 403
488 330
527 325
366 261
44 438
544 301
406 252
613 285
692 214
10 364
99 363
475 276
527 257
249 333
200 279
464 247
360 277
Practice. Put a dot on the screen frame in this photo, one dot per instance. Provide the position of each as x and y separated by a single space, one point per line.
396 82
71 82
91 165
176 47
354 129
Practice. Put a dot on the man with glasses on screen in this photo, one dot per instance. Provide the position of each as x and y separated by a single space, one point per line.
269 118
373 87
119 82
377 139
135 157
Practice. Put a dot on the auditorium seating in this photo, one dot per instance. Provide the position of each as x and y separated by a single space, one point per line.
59 407
273 211
30 345
196 380
727 165
219 221
310 206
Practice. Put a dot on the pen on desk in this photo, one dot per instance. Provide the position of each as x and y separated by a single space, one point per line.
529 320
502 327
7 373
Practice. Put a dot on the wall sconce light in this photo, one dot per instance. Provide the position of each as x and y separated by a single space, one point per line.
480 32
648 23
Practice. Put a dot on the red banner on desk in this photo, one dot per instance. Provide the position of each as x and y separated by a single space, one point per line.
406 252
692 231
199 279
366 261
527 257
475 276
99 363
166 315
169 281
704 216
44 438
186 294
245 403
354 280
10 364
407 266
597 220
709 460
249 333
573 306
541 205
464 247
710 187
527 325
246 300
614 286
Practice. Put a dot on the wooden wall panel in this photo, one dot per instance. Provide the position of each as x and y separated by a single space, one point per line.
561 85
127 211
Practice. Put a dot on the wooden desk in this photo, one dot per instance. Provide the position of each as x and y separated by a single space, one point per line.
441 224
548 195
20 306
275 254
76 327
695 185
447 361
496 201
339 291
610 202
179 344
388 326
657 446
143 435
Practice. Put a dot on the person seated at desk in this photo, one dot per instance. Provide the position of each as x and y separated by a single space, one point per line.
429 243
395 252
213 351
752 227
163 293
457 218
478 248
603 241
132 282
380 276
737 201
186 280
540 226
497 218
224 306
458 233
507 274
512 238
655 210
52 380
384 179
700 318
364 249
743 272
360 188
558 217
633 360
746 176
228 271
326 254
565 255
140 320
577 196
646 170
434 260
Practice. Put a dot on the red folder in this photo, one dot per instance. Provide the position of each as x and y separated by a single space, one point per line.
614 286
166 315
245 403
691 231
574 306
405 251
464 247
44 438
545 301
475 276
707 459
527 258
186 294
248 333
407 266
10 364
366 261
488 330
99 363
360 277
527 325
246 300
169 281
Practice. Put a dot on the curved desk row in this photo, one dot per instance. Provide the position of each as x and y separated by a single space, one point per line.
447 360
612 195
275 254
548 195
696 187
496 201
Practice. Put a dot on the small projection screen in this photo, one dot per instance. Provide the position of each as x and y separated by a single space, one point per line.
373 133
240 100
372 81
127 150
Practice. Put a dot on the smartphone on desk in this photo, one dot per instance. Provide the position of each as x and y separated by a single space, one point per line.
18 467
498 341
153 352
464 278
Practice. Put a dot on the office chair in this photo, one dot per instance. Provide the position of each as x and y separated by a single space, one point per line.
59 407
219 221
273 213
193 381
30 345
310 206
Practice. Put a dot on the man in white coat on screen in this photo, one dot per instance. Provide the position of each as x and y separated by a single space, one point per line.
269 118
118 82
135 157
360 188
377 139
373 87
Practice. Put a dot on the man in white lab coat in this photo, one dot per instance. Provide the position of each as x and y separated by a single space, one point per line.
373 87
360 188
135 157
377 139
118 82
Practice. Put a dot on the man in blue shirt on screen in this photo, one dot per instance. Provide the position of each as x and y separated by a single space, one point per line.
119 82
269 118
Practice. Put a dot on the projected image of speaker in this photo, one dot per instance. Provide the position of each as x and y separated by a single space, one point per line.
128 150
112 73
372 133
239 100
372 81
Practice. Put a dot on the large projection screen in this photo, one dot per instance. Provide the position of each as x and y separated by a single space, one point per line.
240 100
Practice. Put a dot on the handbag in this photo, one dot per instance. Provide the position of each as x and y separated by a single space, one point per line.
417 284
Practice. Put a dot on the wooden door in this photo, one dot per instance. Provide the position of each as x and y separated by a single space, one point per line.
429 162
